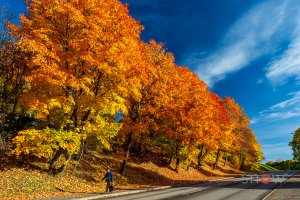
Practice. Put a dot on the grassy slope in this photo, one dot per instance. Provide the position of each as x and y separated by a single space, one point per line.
267 168
31 182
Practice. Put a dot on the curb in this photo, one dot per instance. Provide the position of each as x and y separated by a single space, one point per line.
92 197
123 193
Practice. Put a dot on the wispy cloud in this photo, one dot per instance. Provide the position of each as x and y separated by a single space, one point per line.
287 66
282 110
277 151
248 39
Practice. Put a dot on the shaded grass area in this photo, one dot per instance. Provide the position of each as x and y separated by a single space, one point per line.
30 181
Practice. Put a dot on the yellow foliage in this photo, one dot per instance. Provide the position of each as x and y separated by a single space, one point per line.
85 58
43 143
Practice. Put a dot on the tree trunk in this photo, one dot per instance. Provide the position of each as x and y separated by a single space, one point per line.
177 164
52 168
116 148
64 167
54 160
80 156
188 165
242 163
241 159
217 160
15 104
177 158
200 155
170 159
124 164
139 148
226 158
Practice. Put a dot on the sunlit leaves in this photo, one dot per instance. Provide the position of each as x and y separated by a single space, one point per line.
43 143
87 64
83 52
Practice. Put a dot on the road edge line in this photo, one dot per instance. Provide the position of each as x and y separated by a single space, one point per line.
282 184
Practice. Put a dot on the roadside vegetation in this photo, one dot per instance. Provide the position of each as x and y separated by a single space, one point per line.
289 164
295 145
285 164
267 167
80 91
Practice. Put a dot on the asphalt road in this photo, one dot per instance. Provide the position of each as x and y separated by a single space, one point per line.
247 187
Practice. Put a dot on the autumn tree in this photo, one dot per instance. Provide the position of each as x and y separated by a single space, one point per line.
182 119
13 68
221 124
245 148
212 126
78 64
141 120
83 53
199 119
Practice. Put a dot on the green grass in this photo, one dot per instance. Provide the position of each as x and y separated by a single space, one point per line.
267 167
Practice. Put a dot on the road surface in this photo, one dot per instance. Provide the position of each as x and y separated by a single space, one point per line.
288 190
247 187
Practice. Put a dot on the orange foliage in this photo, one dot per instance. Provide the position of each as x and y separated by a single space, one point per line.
87 64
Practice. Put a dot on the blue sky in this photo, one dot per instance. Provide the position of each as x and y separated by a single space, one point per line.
246 49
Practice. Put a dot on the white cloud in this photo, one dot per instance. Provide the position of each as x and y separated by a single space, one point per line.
253 121
287 65
248 39
283 110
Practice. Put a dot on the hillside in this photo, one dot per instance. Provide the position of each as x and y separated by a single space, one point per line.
30 181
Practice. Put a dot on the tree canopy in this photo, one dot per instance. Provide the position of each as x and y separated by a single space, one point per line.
76 66
295 144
